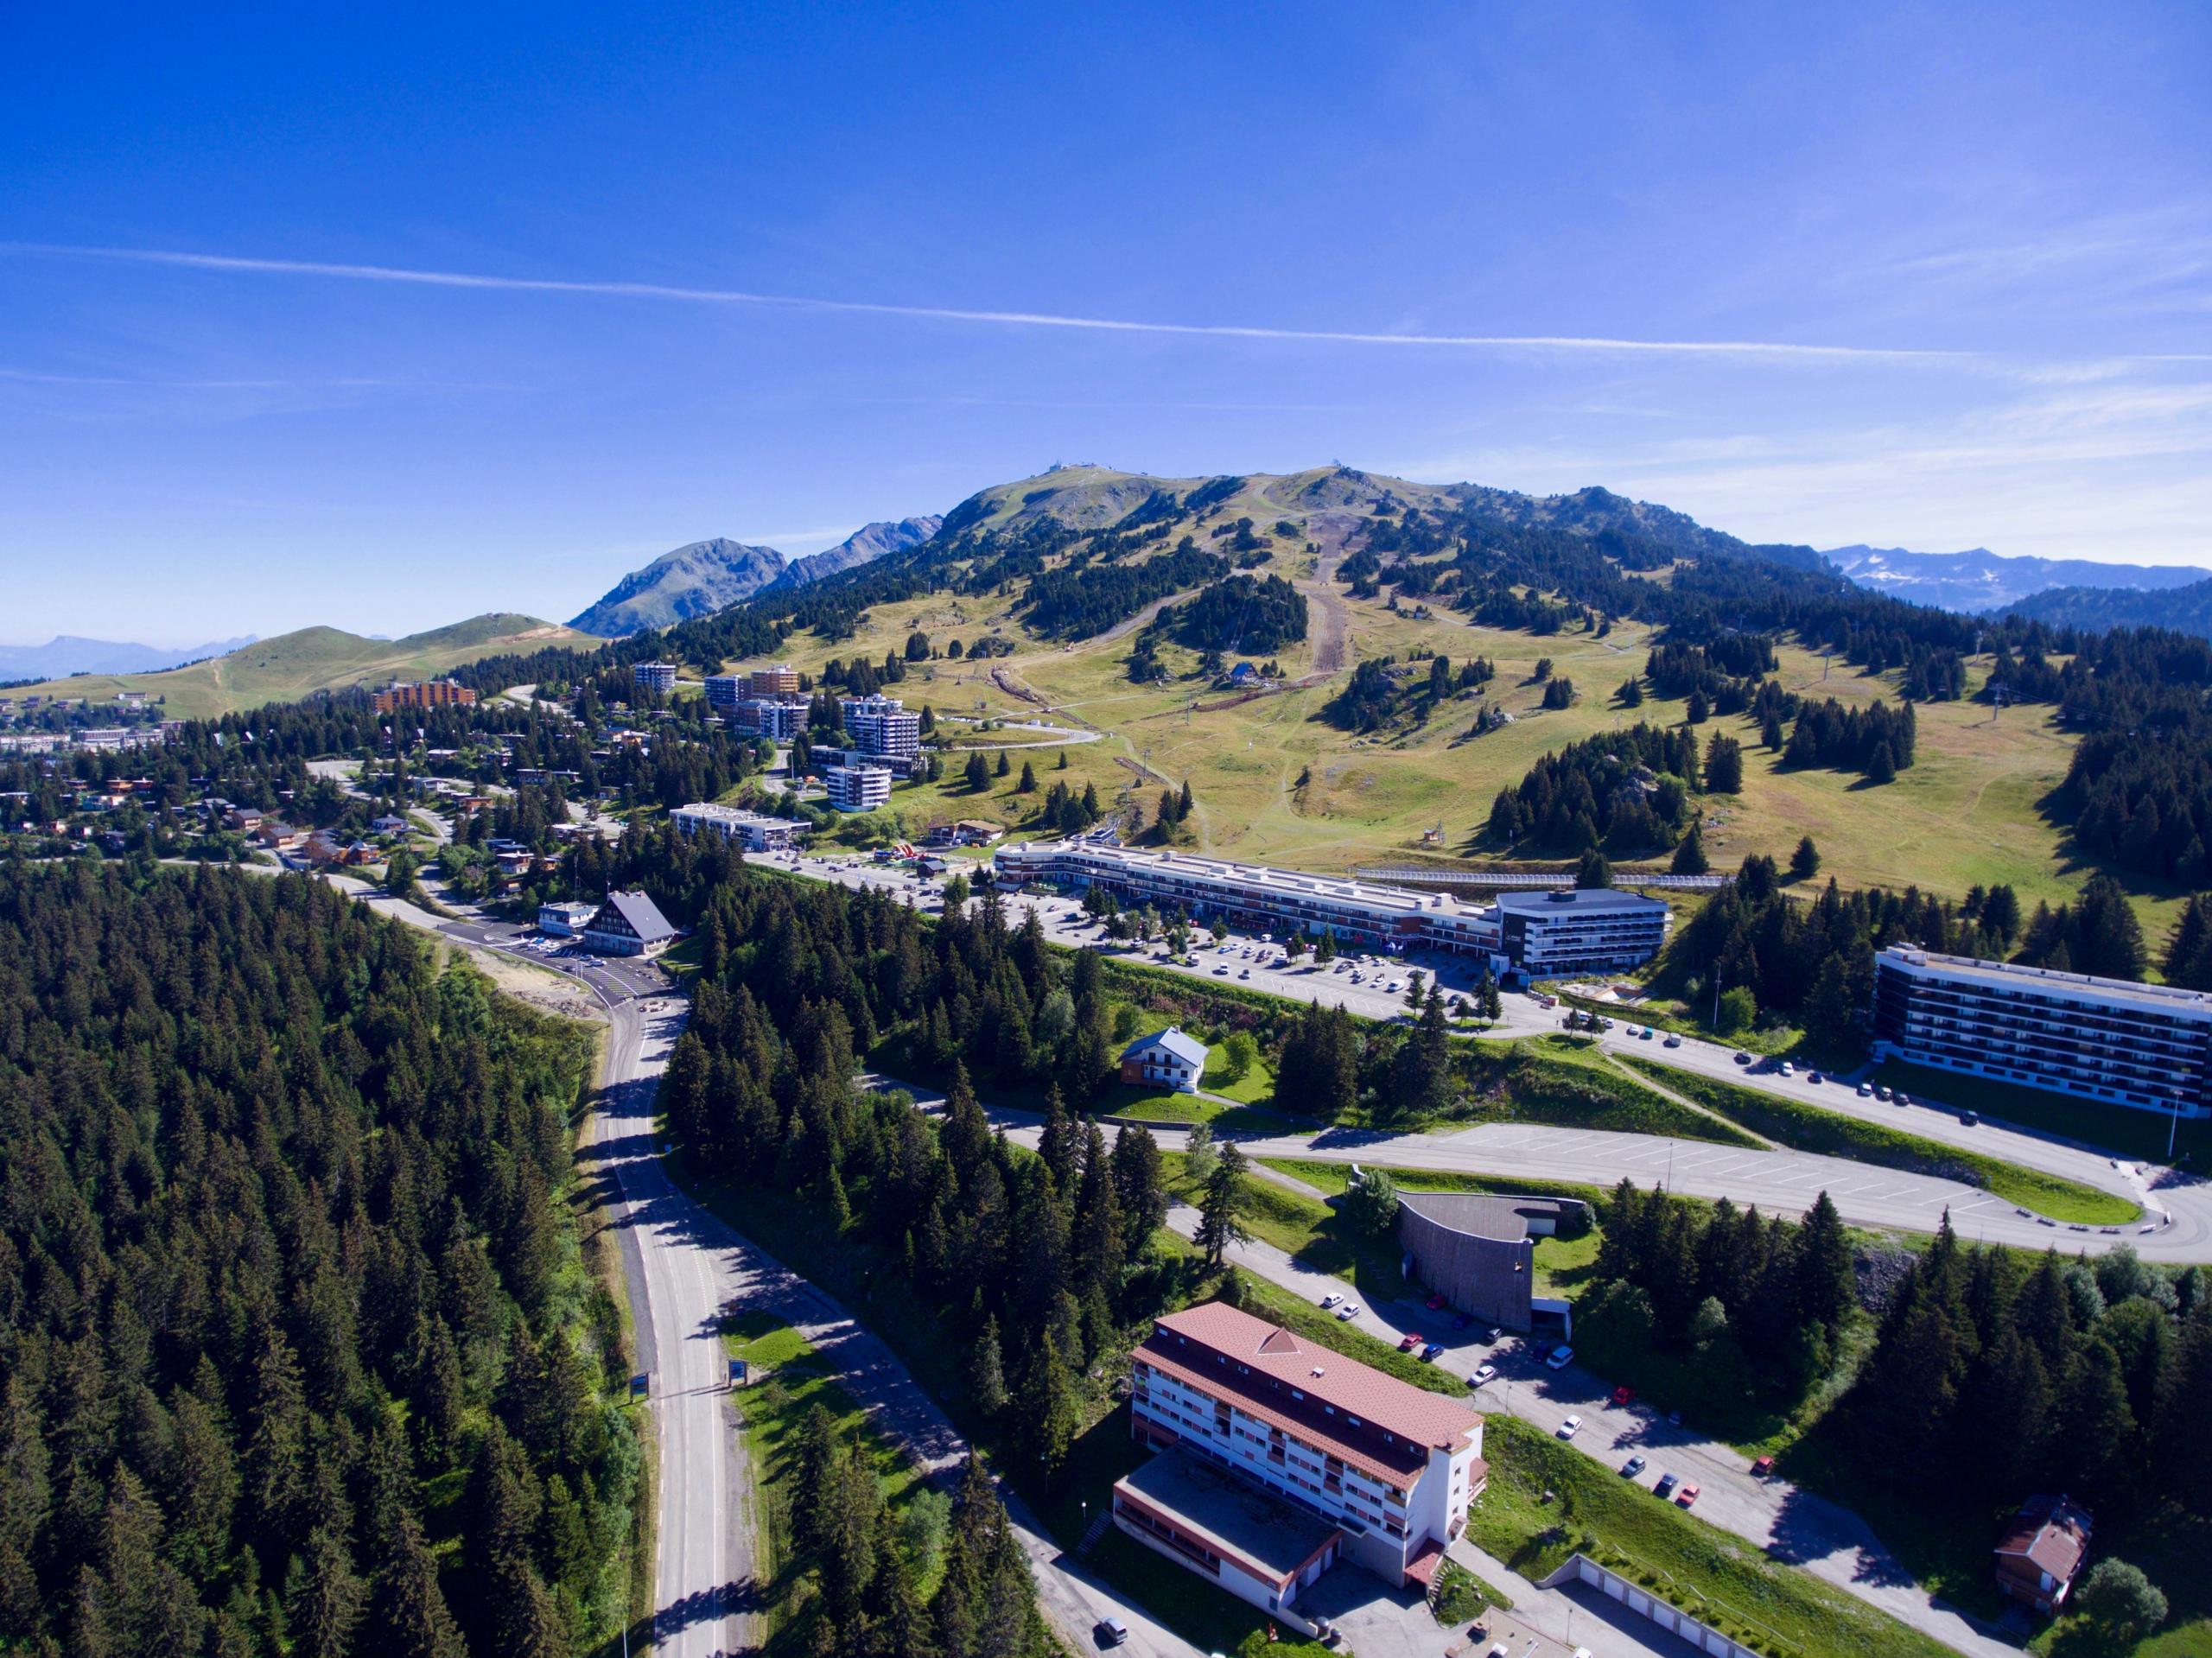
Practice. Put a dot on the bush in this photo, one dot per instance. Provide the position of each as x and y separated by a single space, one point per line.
2118 1599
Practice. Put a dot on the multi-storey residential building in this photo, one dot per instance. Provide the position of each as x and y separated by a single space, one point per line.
422 694
752 831
726 691
1389 1469
1538 934
659 676
1567 930
857 788
780 718
2147 1046
883 726
782 680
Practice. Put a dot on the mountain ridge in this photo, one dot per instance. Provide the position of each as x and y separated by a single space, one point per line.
703 577
70 653
1977 580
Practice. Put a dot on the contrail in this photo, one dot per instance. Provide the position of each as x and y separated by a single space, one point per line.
1768 349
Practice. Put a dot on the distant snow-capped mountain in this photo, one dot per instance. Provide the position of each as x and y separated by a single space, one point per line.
1979 580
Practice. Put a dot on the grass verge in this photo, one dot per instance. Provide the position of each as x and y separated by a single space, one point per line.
1717 1577
2140 1135
788 1380
1809 1128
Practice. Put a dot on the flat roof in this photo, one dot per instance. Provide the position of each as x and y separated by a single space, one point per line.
1235 1517
732 815
2006 976
1553 900
1260 877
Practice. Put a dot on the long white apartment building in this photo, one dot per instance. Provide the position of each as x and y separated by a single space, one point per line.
1542 934
2142 1045
1365 1467
754 831
883 726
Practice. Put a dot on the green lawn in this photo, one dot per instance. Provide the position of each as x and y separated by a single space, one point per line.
1166 1105
1256 1086
1719 1578
2138 1135
1809 1128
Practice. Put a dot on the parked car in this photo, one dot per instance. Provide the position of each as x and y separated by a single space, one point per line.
1686 1495
1434 1302
1432 1352
1111 1632
1743 1058
1815 1077
1493 1334
1561 1357
1330 1299
1787 1068
1865 1090
1762 1468
1570 1427
1623 1396
1483 1372
1666 1485
1411 1340
1632 1467
1970 1118
1882 1092
1349 1310
1647 1033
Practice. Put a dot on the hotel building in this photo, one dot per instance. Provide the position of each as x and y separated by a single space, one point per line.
1568 930
653 676
754 831
1362 1466
2147 1046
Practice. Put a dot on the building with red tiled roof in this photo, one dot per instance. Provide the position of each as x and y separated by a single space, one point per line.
2042 1551
1390 1467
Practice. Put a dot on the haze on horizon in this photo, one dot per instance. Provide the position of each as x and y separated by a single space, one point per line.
383 322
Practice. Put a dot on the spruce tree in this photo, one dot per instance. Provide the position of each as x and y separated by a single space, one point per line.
1221 1208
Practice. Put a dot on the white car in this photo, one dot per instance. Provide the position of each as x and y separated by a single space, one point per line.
1349 1310
1331 1299
1570 1427
1394 987
1484 1373
1561 1357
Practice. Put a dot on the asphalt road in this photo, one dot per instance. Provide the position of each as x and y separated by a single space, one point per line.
2177 1224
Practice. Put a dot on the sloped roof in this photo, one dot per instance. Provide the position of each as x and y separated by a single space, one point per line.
643 915
1188 1049
1374 1422
2050 1532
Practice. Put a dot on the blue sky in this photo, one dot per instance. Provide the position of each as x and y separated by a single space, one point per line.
772 272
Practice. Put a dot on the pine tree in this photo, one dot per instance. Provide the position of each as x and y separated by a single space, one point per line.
323 1614
987 1372
1826 1285
1137 1183
1027 785
1689 854
1221 1208
408 1615
1805 861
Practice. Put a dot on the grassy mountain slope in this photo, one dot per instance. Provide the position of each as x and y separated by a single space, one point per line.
296 665
1274 781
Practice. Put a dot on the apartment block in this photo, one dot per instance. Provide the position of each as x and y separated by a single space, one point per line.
420 694
1378 1472
1564 931
882 726
2145 1046
782 680
659 676
858 788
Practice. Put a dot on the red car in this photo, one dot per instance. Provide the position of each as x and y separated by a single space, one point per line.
1412 1341
1763 1467
1686 1495
1622 1396
1434 1302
